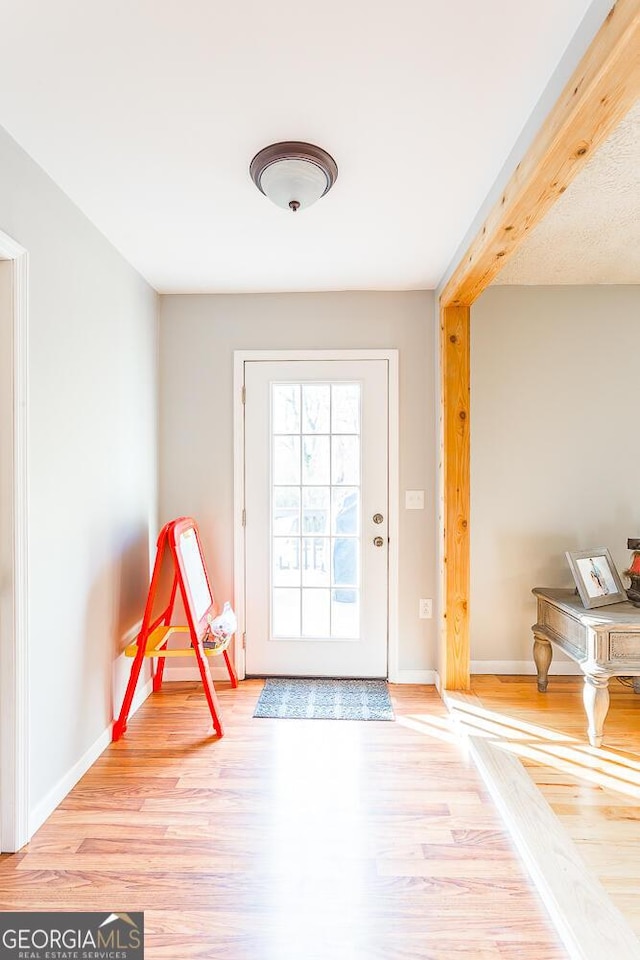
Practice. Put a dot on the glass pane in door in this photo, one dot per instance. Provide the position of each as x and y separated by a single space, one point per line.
315 509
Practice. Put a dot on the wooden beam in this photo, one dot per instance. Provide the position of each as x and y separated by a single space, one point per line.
454 362
599 94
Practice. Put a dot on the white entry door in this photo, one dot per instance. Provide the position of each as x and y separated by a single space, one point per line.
316 502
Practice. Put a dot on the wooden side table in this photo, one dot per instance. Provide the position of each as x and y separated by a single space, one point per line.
605 642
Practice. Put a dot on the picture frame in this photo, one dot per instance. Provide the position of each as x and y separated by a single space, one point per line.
596 577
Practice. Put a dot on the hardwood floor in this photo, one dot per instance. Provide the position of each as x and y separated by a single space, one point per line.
313 840
595 792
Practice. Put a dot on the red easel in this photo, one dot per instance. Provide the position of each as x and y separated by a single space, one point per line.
179 564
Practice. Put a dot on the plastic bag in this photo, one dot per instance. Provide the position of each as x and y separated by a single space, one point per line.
220 629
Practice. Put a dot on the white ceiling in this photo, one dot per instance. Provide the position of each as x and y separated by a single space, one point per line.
592 233
148 113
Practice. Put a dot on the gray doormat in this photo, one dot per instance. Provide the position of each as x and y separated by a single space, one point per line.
289 699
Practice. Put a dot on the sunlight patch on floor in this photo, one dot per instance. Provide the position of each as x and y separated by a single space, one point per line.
540 745
437 727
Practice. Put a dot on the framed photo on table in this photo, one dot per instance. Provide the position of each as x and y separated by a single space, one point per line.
596 577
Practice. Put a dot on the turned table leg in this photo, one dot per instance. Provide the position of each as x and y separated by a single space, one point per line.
596 704
542 654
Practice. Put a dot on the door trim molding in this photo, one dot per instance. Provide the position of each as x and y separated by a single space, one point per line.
240 357
14 641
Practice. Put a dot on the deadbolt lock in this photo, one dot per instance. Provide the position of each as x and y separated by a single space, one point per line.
378 518
378 541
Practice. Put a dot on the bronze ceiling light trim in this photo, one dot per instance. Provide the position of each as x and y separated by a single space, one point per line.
293 174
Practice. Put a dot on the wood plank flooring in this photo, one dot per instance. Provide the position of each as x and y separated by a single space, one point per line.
595 792
313 840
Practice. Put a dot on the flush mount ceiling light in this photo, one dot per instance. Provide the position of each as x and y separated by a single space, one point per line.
293 174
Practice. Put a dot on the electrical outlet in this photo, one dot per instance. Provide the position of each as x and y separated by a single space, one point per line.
425 609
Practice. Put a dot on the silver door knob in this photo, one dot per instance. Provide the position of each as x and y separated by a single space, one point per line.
378 541
378 518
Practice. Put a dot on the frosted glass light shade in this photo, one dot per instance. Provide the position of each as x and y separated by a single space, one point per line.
293 181
293 174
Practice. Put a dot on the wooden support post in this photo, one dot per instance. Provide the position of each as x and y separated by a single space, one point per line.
455 377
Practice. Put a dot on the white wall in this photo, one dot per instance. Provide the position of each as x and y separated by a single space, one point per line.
555 456
198 335
92 459
6 470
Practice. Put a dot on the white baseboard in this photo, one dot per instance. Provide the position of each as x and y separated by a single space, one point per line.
141 695
56 795
414 676
176 674
430 677
524 667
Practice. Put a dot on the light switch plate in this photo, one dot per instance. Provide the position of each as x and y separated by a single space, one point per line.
414 499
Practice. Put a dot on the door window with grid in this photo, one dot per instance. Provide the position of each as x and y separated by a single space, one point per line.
316 510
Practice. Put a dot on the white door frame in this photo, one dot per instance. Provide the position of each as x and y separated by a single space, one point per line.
14 678
240 357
